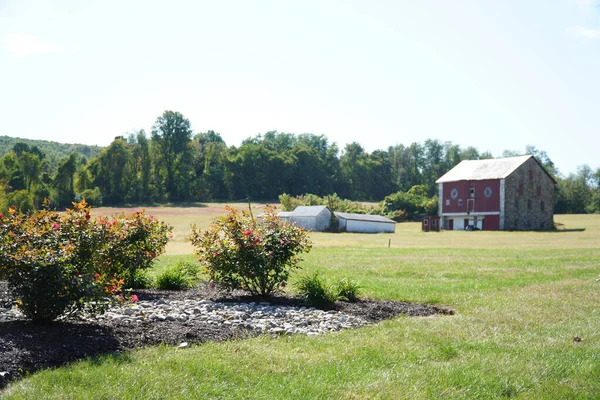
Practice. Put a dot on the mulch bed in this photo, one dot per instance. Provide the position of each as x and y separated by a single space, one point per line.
27 347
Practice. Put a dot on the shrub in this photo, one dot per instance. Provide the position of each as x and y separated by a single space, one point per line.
173 278
334 202
315 291
413 205
140 280
58 262
348 290
92 196
46 259
129 243
254 255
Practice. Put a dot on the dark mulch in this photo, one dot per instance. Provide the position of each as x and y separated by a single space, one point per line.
27 347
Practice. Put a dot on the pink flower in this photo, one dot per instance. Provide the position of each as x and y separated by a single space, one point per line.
153 255
134 298
257 240
87 215
283 284
1 215
138 212
212 285
251 273
97 275
248 232
55 226
171 236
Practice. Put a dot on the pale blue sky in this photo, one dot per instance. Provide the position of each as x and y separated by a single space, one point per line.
491 74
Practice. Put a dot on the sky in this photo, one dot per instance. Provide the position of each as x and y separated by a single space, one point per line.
496 75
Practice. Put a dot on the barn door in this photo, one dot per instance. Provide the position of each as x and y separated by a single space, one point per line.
470 205
450 224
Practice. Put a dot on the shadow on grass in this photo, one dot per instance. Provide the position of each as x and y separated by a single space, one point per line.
26 347
567 230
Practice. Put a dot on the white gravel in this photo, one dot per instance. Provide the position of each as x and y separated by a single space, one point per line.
261 317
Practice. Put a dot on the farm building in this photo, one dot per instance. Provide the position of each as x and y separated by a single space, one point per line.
363 223
431 224
312 218
514 193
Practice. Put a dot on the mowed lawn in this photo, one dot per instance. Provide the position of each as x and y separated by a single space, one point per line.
526 326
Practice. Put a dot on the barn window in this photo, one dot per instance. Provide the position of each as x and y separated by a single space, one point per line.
447 202
425 222
542 205
530 175
529 204
472 192
539 191
460 202
521 189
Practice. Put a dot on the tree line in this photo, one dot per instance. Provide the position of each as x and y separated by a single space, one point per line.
174 164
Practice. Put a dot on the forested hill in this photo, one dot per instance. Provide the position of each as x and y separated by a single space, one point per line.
54 151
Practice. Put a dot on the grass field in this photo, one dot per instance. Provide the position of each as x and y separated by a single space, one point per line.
521 299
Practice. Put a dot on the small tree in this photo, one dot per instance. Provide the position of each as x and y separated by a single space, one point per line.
254 255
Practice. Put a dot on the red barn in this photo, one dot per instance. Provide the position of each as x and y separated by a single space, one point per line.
514 193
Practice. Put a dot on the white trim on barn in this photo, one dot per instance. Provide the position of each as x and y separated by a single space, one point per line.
473 213
502 203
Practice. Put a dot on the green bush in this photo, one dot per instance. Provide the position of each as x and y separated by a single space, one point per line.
59 262
173 278
21 199
412 205
315 291
254 255
92 196
140 280
348 290
334 202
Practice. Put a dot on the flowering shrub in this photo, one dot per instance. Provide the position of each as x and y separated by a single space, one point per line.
129 243
254 255
56 262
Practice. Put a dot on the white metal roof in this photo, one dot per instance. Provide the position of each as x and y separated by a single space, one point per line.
477 170
308 211
364 217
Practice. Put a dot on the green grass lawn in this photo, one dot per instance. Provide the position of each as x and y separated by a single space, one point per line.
520 299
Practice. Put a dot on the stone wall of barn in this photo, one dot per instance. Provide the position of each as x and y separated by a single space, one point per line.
529 198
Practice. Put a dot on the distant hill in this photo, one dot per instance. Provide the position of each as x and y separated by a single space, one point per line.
54 151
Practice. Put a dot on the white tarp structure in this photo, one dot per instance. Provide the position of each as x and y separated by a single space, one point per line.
363 223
